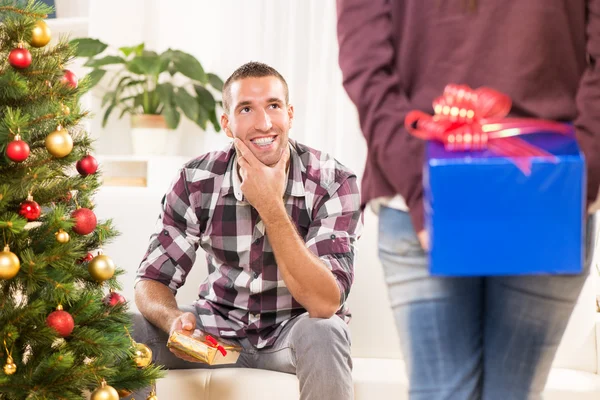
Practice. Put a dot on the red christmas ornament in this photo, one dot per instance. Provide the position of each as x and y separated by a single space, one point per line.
87 258
69 78
113 298
61 321
88 165
85 221
30 209
17 150
20 57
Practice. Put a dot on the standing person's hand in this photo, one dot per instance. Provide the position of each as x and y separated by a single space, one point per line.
262 185
424 239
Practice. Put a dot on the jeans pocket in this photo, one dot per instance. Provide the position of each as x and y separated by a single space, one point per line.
397 236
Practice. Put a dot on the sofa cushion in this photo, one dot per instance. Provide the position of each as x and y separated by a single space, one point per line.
379 379
577 348
228 384
566 384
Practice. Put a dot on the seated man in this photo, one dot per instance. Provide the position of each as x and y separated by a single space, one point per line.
278 222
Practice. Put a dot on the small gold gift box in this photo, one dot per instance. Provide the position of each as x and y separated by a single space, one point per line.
204 348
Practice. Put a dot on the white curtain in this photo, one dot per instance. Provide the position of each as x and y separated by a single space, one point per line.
297 37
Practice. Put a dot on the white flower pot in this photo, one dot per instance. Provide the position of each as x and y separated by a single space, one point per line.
149 134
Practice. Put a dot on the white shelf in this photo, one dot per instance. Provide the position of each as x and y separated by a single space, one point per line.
154 172
71 27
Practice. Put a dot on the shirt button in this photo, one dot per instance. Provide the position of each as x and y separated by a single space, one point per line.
165 232
255 275
332 237
257 241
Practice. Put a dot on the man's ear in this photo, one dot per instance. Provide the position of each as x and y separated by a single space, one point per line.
225 125
290 110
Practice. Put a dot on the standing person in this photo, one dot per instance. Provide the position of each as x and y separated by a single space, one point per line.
278 222
468 338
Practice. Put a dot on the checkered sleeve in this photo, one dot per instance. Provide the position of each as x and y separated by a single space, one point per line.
334 231
172 249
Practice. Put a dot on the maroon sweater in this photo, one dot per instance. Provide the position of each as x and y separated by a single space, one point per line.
397 56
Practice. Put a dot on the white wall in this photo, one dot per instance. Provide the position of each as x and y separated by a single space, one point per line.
296 37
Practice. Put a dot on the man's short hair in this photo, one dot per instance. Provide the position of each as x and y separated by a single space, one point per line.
251 69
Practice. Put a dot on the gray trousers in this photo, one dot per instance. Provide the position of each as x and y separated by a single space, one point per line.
316 350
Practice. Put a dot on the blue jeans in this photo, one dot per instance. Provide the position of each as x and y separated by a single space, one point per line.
477 337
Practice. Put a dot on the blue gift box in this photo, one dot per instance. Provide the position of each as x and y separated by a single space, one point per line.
486 217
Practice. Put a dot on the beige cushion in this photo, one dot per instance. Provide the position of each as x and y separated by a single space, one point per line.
374 379
228 384
577 349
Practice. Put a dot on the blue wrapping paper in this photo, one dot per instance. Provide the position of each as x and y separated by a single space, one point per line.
486 217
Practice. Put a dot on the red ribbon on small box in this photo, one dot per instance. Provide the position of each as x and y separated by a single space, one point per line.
213 343
467 119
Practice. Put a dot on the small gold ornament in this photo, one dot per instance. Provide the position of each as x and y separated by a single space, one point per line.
65 110
59 143
40 35
10 367
142 355
124 392
152 396
9 264
105 392
101 268
62 236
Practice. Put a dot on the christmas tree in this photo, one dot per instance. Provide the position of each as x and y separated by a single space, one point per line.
63 325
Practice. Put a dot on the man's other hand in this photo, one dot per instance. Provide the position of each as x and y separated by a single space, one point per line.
184 322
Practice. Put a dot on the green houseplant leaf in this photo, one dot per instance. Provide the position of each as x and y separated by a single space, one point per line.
132 50
187 103
215 82
205 97
95 76
86 47
172 116
108 60
187 65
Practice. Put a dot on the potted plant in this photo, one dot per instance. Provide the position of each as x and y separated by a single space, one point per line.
154 89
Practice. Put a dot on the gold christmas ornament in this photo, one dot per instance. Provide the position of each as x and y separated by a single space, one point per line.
101 268
62 236
142 355
9 264
65 110
152 396
10 367
40 35
59 143
105 392
124 392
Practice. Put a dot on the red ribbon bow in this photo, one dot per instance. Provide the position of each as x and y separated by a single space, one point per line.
213 343
467 119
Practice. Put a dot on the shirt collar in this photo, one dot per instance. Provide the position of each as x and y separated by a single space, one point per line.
295 185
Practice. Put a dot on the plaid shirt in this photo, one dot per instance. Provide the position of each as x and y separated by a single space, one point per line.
244 294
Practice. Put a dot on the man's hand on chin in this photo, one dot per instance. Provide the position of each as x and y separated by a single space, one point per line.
263 186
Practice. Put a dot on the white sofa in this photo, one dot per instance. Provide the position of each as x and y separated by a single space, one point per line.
379 371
